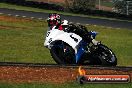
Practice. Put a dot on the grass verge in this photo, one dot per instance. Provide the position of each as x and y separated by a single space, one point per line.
21 40
68 85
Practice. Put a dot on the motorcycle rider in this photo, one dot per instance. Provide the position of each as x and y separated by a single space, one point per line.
55 20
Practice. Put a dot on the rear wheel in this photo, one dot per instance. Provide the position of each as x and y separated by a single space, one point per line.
62 53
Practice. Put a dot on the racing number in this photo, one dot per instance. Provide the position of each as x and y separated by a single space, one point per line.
75 39
50 40
48 33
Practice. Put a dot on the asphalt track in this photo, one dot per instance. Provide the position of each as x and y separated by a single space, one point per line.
74 19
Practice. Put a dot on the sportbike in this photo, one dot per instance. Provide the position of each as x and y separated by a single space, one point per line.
69 48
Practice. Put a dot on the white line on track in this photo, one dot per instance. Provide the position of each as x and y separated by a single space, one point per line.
118 28
87 24
40 18
1 13
70 22
16 15
23 16
9 14
78 23
95 25
32 17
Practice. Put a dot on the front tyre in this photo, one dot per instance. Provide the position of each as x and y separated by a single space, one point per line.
62 53
106 56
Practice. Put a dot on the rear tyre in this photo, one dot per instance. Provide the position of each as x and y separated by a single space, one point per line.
62 53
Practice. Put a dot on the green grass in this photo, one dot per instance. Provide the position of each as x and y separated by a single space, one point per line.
10 6
67 85
23 42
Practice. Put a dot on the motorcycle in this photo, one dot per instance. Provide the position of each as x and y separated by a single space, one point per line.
70 49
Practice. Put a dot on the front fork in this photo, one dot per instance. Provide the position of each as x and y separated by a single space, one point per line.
85 48
81 50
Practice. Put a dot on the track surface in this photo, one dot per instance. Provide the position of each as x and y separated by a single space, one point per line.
43 73
75 19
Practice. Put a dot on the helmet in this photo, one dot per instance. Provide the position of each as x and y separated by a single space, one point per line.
53 19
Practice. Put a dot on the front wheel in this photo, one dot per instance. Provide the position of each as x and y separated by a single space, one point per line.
106 55
62 53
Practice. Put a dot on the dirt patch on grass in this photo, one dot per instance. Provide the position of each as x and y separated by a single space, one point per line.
13 19
3 27
21 74
12 27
